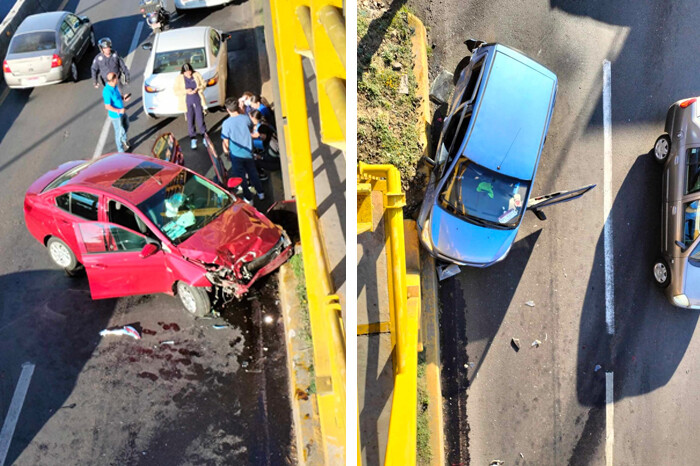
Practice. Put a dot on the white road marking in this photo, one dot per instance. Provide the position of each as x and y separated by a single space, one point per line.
608 246
609 417
128 60
607 203
4 94
8 428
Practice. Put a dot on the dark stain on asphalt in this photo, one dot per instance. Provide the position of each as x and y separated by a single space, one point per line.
148 331
148 375
256 392
171 326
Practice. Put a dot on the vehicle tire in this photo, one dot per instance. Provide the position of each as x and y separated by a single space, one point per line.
93 41
152 116
74 76
662 273
460 67
194 299
62 256
662 147
179 12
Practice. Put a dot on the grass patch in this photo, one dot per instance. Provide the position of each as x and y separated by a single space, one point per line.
423 452
297 263
388 105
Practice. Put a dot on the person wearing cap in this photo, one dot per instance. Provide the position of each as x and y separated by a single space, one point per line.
114 103
108 61
189 88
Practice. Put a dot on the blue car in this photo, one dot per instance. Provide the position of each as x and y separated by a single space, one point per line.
487 158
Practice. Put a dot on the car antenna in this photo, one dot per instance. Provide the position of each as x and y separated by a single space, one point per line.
509 148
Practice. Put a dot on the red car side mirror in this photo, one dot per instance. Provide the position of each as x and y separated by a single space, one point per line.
234 182
148 250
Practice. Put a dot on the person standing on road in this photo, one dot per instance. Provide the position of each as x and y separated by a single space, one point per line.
266 157
114 103
238 143
189 88
107 61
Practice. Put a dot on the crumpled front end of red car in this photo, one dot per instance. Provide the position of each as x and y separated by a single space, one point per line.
236 277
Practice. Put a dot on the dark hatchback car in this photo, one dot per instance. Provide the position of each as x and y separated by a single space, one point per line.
487 158
678 268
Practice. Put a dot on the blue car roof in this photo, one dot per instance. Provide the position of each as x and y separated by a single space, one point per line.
512 114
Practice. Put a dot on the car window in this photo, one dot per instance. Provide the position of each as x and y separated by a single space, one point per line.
167 62
84 205
691 226
454 136
694 258
119 214
184 205
214 42
484 196
473 81
33 42
101 238
692 178
74 21
67 32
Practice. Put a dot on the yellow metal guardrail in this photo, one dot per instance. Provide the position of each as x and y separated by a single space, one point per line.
404 303
316 29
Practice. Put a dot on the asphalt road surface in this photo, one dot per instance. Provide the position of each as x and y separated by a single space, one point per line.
548 405
187 392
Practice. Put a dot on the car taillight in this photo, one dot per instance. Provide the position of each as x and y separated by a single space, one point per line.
56 61
150 89
6 67
685 103
213 80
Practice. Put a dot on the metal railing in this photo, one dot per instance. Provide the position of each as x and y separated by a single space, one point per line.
404 302
315 29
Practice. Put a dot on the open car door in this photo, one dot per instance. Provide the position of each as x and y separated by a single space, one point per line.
536 204
219 169
167 148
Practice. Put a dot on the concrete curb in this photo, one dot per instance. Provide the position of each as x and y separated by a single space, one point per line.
420 70
307 426
429 289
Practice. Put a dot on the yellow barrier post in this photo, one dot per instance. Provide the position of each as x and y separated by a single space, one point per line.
404 311
324 308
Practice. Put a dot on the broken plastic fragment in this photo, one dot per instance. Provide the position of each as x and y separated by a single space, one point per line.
167 342
219 327
445 272
127 330
495 463
596 368
536 343
530 304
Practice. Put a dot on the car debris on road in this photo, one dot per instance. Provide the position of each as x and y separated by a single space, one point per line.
127 330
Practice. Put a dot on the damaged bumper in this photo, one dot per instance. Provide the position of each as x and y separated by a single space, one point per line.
250 272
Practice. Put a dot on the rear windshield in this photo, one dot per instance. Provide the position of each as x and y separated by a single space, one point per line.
33 42
167 62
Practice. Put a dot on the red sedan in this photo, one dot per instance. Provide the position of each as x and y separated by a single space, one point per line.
141 225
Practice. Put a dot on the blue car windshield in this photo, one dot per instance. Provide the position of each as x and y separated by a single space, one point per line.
185 205
483 196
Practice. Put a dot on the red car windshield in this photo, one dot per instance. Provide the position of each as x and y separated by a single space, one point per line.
185 205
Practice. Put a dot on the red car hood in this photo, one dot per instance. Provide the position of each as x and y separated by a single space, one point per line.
237 231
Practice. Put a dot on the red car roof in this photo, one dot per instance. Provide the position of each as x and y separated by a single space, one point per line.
102 173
